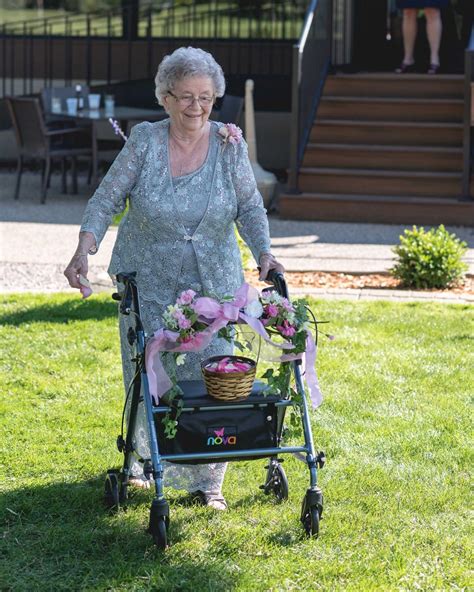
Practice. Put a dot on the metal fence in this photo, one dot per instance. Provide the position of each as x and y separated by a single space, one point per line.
273 19
89 46
311 61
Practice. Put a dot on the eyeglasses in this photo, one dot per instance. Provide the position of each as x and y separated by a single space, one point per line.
188 100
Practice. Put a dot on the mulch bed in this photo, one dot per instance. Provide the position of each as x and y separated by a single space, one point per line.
374 281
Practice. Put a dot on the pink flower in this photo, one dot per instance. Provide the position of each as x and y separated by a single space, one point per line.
186 297
271 310
230 133
287 305
85 291
286 329
178 314
184 323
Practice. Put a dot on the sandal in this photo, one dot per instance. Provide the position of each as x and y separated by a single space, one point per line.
433 69
140 481
405 68
211 500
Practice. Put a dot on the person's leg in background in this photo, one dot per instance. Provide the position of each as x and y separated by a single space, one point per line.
409 30
434 29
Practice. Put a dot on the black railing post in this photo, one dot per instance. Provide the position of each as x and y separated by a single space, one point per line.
109 47
45 51
468 114
31 74
50 55
88 51
65 50
295 120
149 41
69 53
216 21
4 60
129 48
130 18
12 64
25 58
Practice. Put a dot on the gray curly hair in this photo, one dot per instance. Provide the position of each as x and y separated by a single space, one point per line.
185 62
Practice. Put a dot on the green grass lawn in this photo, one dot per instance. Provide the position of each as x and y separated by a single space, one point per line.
395 425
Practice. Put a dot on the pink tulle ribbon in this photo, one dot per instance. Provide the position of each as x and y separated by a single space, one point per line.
165 340
309 372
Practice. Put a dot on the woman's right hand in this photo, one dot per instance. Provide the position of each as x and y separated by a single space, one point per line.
78 266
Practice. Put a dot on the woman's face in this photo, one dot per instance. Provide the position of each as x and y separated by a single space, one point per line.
182 105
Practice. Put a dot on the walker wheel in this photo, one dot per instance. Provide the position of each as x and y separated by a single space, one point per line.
160 533
159 523
111 492
311 522
276 482
311 511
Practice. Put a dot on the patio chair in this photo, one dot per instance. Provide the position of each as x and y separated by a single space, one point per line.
36 142
231 109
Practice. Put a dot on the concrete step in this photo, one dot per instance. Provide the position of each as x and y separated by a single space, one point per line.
391 109
376 209
380 182
396 85
359 156
386 133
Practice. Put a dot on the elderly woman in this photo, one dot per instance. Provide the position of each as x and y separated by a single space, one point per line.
188 181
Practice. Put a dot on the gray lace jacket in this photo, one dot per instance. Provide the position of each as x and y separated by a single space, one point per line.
151 238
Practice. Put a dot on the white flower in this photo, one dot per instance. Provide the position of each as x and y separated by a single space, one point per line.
180 359
254 309
170 321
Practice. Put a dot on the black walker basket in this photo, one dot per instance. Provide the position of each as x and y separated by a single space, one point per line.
210 430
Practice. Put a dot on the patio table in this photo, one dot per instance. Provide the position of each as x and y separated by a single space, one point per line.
122 114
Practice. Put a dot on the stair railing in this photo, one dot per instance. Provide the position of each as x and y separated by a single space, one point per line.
468 139
311 61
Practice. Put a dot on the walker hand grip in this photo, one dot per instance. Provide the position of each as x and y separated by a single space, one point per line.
274 276
127 296
278 280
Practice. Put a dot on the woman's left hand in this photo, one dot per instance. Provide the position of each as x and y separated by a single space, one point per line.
268 262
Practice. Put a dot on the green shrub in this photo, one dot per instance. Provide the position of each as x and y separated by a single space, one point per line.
429 259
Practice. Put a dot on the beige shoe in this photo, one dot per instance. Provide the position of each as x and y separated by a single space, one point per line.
211 500
140 482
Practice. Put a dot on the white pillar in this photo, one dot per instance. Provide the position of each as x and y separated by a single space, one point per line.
266 181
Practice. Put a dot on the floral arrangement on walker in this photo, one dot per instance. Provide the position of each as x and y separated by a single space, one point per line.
191 323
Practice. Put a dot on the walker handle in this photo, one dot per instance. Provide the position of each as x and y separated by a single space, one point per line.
278 280
130 294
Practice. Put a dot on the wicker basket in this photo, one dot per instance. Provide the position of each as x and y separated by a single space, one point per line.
231 386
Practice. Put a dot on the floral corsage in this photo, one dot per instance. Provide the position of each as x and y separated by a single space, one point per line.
230 133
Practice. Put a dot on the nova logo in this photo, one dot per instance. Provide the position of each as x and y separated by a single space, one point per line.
221 436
